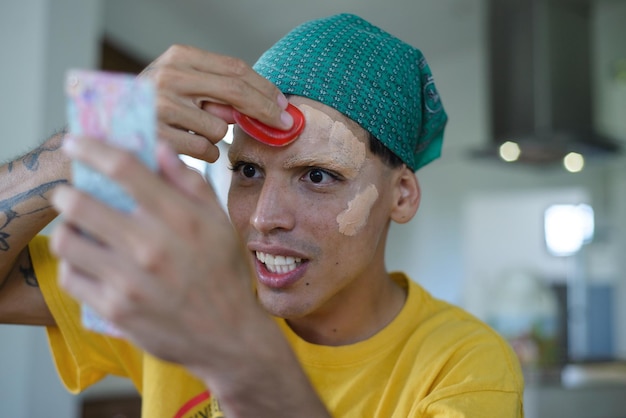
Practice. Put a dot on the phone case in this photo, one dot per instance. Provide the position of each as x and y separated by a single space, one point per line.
119 109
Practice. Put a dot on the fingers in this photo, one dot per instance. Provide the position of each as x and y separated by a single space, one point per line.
76 249
100 242
176 117
105 244
223 79
188 143
92 220
159 205
75 283
237 89
111 296
197 91
223 112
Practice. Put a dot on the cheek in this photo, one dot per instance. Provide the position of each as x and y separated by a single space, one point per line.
318 216
240 207
354 218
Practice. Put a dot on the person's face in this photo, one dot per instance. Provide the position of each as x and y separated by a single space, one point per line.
314 215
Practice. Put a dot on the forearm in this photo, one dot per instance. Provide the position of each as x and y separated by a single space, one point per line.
25 187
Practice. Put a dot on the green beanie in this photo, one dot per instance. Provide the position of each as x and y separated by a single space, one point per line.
372 77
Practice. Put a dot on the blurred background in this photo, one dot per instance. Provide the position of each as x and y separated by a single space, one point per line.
522 220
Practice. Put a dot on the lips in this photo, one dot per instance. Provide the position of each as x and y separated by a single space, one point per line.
278 271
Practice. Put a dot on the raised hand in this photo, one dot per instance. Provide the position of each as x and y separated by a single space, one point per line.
197 91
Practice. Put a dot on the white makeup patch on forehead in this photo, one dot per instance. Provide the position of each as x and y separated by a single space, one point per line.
317 124
344 147
354 218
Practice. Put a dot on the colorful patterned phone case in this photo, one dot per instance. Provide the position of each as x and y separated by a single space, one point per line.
119 109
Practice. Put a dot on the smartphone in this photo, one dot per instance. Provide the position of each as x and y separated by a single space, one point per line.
119 109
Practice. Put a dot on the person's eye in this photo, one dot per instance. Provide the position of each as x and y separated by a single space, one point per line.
319 176
246 169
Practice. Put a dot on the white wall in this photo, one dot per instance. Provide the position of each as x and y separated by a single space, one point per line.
22 79
39 39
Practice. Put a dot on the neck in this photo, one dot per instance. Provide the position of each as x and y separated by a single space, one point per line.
353 320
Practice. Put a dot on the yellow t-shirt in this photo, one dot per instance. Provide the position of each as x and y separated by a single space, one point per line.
433 360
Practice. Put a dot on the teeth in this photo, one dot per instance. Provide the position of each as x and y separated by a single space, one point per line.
278 263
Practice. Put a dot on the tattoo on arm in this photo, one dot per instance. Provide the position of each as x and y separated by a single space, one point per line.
31 160
28 272
7 207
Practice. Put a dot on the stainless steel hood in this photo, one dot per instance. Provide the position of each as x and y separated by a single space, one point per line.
540 80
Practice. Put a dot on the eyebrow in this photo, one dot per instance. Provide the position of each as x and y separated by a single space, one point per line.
323 160
309 159
242 154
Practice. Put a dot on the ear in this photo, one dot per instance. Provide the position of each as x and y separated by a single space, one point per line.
407 196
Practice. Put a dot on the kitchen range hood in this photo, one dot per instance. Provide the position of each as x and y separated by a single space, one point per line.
540 79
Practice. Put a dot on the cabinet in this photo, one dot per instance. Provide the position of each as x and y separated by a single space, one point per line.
112 407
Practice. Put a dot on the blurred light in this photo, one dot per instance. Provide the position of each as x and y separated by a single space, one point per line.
567 228
228 138
574 162
510 151
194 163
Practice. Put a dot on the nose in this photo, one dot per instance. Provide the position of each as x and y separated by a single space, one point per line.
274 208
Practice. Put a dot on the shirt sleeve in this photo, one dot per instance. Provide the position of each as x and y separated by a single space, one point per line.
81 357
478 374
483 380
486 403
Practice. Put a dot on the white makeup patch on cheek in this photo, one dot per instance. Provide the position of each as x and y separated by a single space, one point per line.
354 218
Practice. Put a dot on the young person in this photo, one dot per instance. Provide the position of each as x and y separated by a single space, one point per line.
283 307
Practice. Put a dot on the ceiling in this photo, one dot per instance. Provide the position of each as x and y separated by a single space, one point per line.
245 28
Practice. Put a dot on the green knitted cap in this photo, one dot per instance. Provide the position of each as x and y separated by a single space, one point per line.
372 77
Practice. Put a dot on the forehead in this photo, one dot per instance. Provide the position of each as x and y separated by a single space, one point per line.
331 113
327 134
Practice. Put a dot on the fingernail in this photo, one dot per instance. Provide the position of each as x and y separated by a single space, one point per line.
282 101
286 119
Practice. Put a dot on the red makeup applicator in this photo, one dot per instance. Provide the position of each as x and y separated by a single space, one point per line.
268 135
